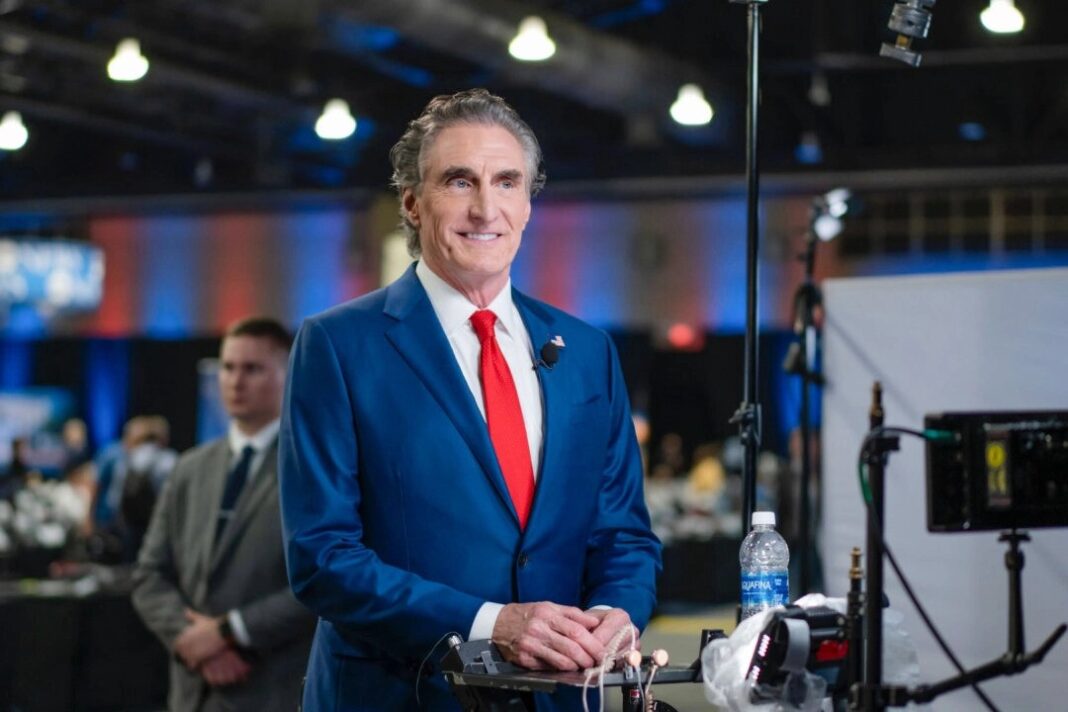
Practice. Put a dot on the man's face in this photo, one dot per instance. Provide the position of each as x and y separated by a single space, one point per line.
252 377
472 206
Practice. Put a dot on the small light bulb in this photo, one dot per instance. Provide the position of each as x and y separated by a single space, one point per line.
128 64
13 133
691 108
336 122
532 42
1002 17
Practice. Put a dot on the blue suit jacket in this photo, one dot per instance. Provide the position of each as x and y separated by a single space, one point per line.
398 523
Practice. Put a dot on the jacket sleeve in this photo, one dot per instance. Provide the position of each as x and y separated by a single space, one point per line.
156 595
622 555
276 619
330 568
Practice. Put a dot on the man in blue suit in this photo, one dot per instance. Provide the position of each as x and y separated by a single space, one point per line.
437 475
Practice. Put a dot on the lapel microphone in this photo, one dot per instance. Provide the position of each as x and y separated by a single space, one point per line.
550 354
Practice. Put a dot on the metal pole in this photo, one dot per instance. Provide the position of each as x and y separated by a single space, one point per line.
809 337
748 415
873 602
804 533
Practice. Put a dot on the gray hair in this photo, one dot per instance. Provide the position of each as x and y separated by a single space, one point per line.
473 106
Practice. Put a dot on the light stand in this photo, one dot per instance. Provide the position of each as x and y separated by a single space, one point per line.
748 414
870 694
802 359
1016 659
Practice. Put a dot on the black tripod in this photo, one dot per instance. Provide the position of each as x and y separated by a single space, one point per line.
802 360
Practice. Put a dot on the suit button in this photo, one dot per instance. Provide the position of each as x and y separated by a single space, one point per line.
523 559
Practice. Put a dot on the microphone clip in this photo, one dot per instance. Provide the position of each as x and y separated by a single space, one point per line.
549 353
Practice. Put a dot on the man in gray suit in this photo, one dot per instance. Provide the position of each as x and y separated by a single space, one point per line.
211 578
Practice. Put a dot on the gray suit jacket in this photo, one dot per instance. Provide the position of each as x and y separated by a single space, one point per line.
180 566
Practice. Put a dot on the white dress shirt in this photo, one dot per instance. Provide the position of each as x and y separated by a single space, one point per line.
454 312
260 442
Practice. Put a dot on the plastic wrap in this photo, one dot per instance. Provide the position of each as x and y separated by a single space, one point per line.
724 664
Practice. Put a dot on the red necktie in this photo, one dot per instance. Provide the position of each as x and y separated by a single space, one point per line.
504 416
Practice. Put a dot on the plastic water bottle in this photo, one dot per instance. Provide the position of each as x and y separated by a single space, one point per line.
765 561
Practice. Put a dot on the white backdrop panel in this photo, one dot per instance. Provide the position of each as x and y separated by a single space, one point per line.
986 341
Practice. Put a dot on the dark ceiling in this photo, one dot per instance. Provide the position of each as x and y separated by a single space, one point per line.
235 86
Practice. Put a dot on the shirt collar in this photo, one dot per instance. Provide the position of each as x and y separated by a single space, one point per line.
259 441
454 310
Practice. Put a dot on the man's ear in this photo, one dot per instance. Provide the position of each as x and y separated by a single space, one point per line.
411 206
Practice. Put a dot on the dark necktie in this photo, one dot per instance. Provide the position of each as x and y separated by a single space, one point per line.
235 482
504 416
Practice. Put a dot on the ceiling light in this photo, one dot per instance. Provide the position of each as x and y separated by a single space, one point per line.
691 108
532 42
336 122
203 172
1002 17
819 92
808 150
972 131
13 133
128 64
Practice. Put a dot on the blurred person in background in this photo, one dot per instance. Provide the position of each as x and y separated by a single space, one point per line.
705 497
79 472
44 519
75 437
18 470
210 580
642 432
671 453
130 479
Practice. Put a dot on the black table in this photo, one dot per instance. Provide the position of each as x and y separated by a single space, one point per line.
63 649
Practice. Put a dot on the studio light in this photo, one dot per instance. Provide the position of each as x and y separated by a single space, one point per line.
532 42
13 133
128 64
336 122
837 201
827 227
691 108
828 211
1002 17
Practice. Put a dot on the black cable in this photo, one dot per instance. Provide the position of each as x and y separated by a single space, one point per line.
931 627
426 658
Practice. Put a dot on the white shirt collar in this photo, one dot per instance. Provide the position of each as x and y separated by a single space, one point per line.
454 310
259 441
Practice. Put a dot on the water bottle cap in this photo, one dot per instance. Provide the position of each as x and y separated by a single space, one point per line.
760 518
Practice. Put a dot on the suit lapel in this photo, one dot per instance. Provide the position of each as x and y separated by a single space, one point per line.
216 466
418 336
263 483
539 324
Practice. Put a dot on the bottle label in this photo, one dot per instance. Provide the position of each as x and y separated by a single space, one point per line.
765 589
